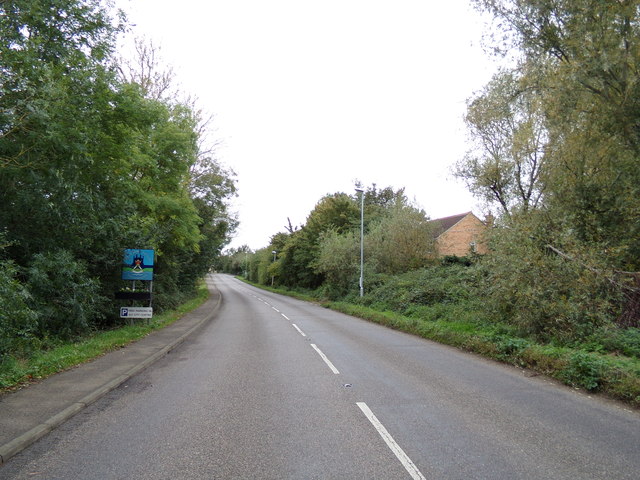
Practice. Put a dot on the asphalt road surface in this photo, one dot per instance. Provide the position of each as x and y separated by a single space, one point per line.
276 388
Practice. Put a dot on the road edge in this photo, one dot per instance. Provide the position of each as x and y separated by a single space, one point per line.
18 444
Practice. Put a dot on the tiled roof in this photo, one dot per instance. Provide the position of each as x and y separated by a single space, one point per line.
441 225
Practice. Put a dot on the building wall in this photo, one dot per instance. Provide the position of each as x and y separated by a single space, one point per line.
458 239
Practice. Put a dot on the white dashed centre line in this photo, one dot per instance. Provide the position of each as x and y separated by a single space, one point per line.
386 436
326 360
391 443
299 331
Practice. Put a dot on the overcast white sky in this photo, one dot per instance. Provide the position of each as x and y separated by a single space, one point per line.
309 97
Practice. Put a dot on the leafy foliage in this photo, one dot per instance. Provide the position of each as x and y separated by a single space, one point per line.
543 294
400 241
91 164
325 251
437 285
558 270
337 212
339 260
507 126
18 322
64 295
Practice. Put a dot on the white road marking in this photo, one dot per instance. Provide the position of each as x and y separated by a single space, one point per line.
285 316
391 443
275 309
326 360
300 331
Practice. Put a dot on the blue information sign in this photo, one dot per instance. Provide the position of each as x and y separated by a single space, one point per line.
137 264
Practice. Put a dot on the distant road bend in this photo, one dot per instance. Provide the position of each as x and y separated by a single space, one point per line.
277 388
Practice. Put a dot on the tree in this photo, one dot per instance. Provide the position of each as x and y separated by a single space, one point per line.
144 70
339 260
338 212
18 322
64 294
90 164
378 202
60 170
589 50
324 252
401 241
210 185
544 294
235 260
507 126
582 57
39 41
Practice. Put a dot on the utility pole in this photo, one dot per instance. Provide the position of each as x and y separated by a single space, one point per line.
361 240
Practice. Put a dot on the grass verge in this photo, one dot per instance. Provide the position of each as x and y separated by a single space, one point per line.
613 375
16 372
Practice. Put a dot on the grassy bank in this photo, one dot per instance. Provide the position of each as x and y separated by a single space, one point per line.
15 372
614 375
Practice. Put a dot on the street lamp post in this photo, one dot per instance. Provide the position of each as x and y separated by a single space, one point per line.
274 259
361 191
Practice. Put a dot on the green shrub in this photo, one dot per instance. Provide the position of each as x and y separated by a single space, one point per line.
509 346
65 298
18 323
450 284
548 296
625 341
584 370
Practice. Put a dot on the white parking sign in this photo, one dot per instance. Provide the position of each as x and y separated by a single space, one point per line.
136 312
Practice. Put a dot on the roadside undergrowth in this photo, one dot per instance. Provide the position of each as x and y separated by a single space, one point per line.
16 372
616 376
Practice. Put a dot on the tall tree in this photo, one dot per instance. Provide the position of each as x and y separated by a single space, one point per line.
210 185
507 126
583 56
90 164
591 50
54 92
401 241
144 69
336 212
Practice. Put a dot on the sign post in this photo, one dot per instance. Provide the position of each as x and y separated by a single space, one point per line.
137 264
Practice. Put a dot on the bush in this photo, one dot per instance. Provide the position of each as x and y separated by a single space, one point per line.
624 341
66 299
18 323
439 287
548 296
584 370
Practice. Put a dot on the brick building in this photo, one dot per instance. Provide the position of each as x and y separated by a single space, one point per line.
460 235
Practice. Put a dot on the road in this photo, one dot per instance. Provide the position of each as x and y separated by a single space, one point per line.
276 388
